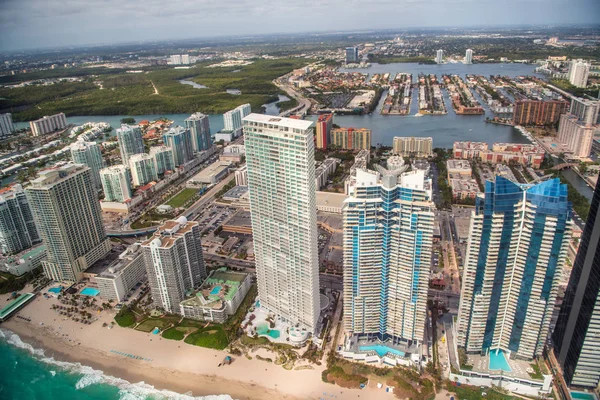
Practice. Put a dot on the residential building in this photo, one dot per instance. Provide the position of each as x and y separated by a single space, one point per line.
47 124
180 141
413 146
352 55
524 154
585 110
324 125
388 237
577 136
351 138
225 136
468 150
459 169
89 153
180 59
439 56
199 128
576 336
174 262
218 298
516 252
241 176
185 59
234 153
163 159
232 119
579 72
281 181
538 112
116 183
469 56
130 142
6 125
324 171
17 226
65 205
361 160
143 169
464 188
25 261
123 274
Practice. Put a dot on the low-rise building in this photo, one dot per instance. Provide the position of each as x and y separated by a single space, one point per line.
468 150
361 160
464 188
25 261
210 175
218 298
233 153
122 274
324 171
459 169
330 202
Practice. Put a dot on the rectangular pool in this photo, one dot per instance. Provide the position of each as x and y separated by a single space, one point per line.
56 290
498 361
583 396
381 350
88 291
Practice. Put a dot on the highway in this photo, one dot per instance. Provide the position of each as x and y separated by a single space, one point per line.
304 103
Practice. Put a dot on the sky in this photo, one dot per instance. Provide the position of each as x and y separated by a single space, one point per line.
26 24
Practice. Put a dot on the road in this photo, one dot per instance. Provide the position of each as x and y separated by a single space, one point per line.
303 102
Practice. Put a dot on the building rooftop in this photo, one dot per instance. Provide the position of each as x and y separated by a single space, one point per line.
220 286
123 260
235 192
279 121
104 263
166 234
11 307
52 176
330 199
459 164
213 169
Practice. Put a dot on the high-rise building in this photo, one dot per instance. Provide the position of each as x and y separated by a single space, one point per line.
410 145
351 138
577 333
579 72
143 169
323 130
6 125
47 124
174 262
538 112
116 183
232 119
352 55
469 56
185 59
163 159
65 205
585 110
577 136
439 56
281 182
199 128
17 226
388 238
179 140
175 59
89 153
517 248
130 141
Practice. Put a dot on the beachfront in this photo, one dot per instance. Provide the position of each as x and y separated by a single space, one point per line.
175 365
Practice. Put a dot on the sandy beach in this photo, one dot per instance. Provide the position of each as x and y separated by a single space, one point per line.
175 365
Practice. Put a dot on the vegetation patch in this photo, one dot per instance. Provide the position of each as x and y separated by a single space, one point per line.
204 338
173 334
125 317
182 197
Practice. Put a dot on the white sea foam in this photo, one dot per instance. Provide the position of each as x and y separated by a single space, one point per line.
127 390
53 373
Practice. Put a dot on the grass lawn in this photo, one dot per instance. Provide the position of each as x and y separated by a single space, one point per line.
182 197
212 337
125 318
173 334
149 324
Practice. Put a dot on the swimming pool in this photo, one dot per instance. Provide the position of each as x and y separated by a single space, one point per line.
88 291
583 396
263 329
381 350
155 331
55 289
215 291
498 361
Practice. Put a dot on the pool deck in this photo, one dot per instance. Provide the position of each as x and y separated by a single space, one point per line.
518 367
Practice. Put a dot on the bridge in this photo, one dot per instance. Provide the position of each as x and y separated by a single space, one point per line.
562 166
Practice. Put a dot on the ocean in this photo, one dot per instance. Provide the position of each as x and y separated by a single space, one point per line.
27 373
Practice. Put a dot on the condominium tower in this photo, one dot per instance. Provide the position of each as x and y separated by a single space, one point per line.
143 169
65 205
579 72
410 145
116 183
17 226
323 130
351 55
89 154
6 125
174 262
281 182
351 138
469 56
163 159
439 56
199 128
48 124
179 140
130 141
517 247
232 119
388 232
577 333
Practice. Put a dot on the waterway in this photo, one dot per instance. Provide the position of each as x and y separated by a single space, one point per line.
193 84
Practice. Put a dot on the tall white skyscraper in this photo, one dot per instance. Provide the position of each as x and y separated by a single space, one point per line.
48 124
517 248
180 141
469 56
65 205
17 226
388 234
163 159
130 141
6 125
439 56
232 119
116 183
175 59
89 153
281 181
578 73
143 169
199 127
174 262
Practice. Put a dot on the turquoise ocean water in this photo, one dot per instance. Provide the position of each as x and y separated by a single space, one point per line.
28 374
